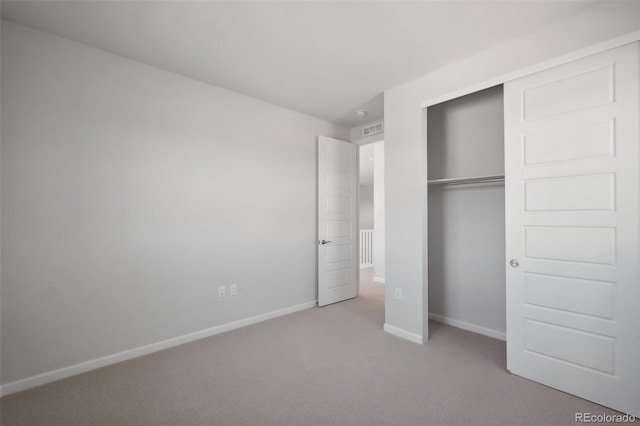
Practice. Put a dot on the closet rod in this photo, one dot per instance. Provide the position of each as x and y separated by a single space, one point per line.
466 180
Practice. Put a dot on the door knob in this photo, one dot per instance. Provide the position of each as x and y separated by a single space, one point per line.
323 242
514 263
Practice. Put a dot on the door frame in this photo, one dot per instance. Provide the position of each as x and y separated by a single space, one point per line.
370 140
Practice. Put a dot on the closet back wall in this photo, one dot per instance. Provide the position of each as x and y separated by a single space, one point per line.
129 194
466 222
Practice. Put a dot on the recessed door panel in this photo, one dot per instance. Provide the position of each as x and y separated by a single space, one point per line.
339 229
556 292
591 140
571 244
339 278
574 347
595 192
568 93
339 204
339 253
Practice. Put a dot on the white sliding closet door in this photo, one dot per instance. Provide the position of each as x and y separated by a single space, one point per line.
572 186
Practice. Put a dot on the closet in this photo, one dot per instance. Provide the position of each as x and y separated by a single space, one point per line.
466 223
549 257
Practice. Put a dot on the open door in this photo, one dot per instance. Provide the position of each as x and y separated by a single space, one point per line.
337 220
573 287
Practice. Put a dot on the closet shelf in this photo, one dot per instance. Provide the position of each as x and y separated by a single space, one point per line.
466 180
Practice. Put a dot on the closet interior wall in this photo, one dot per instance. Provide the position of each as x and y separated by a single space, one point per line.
466 223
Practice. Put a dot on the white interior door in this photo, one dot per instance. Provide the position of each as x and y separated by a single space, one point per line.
337 220
573 288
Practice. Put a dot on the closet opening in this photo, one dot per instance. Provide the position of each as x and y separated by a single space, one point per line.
466 213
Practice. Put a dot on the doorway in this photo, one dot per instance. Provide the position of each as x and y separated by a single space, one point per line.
351 236
371 220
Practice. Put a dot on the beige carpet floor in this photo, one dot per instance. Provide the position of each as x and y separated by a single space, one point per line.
322 366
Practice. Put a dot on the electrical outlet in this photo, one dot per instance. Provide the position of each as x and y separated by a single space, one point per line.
222 291
233 289
398 293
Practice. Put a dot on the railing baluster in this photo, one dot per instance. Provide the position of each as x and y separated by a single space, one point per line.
366 247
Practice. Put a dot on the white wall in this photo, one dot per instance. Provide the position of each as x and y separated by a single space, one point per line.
378 212
129 194
405 153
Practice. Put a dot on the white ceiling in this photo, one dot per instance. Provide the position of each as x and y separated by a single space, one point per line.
325 59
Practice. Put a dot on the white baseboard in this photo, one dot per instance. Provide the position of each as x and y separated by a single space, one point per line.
469 327
404 334
72 370
378 280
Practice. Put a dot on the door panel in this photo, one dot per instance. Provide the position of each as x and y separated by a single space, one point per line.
595 192
337 220
587 140
570 244
572 185
558 293
568 94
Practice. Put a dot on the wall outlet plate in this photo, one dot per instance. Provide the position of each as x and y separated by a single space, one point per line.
233 289
222 291
398 294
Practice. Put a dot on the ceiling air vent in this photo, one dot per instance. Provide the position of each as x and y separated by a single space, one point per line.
373 129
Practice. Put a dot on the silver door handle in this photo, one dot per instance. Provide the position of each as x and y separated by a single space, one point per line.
514 263
323 242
